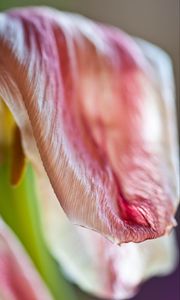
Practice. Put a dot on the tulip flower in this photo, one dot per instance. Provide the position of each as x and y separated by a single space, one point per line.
92 109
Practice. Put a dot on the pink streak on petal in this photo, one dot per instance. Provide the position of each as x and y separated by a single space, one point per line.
18 277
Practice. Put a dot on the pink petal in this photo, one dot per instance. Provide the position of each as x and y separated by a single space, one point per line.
18 277
92 262
92 98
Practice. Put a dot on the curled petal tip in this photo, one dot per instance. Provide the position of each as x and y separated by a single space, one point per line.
102 268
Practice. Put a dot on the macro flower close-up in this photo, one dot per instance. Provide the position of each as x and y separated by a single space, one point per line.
88 158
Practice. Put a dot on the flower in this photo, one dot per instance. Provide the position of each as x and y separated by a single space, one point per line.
97 107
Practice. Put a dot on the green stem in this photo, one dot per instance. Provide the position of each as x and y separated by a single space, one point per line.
19 208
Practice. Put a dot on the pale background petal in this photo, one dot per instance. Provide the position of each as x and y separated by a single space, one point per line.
18 275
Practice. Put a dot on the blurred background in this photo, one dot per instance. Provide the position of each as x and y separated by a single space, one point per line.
158 22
